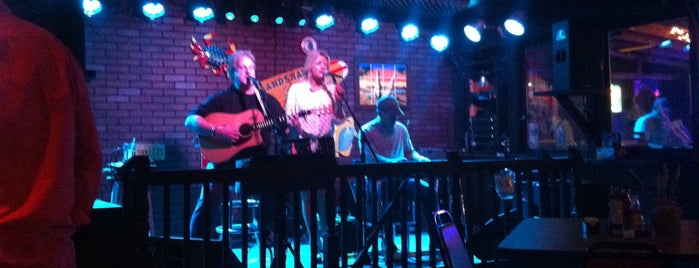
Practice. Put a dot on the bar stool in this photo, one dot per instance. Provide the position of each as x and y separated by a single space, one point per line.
236 229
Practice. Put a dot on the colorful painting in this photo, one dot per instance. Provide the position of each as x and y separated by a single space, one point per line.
378 79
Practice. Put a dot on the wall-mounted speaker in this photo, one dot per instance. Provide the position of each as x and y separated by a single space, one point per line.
579 57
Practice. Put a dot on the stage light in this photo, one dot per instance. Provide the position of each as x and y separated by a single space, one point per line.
203 14
369 25
153 9
249 12
665 44
92 7
324 21
472 33
201 10
296 16
225 11
230 15
439 42
687 47
514 27
279 20
409 32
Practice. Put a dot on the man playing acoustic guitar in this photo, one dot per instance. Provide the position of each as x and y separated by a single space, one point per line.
234 125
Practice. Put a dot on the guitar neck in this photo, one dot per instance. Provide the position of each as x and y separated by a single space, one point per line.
284 118
270 122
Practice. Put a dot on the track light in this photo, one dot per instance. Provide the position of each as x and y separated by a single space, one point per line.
439 42
225 11
322 16
92 7
301 22
153 9
665 44
201 10
473 33
514 27
368 25
250 13
324 21
409 32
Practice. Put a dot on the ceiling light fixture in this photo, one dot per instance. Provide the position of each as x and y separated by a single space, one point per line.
153 9
368 25
92 7
201 10
439 42
409 32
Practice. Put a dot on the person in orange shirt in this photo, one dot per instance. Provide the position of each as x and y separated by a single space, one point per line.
50 158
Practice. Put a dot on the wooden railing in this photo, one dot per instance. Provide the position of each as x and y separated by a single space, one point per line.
464 187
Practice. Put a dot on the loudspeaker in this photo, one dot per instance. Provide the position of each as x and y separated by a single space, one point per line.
579 57
175 252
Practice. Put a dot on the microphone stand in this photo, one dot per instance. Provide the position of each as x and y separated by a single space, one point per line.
360 182
279 133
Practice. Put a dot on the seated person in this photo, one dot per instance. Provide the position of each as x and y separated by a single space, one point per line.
661 129
389 138
391 143
643 105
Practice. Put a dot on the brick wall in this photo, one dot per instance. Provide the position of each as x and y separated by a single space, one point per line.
146 82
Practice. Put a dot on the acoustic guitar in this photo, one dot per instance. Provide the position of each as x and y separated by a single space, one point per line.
249 123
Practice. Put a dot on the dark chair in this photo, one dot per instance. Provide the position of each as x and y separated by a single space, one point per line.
484 242
452 246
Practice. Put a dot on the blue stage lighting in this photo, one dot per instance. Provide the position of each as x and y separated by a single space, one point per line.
92 7
202 13
302 22
369 25
409 32
254 18
472 33
514 27
439 42
153 9
324 21
230 15
279 20
665 44
687 47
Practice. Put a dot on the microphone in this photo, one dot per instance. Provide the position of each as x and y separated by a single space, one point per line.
255 82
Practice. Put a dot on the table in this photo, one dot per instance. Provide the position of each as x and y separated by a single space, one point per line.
563 237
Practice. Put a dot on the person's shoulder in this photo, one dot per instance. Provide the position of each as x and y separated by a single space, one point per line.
34 39
370 125
401 125
298 85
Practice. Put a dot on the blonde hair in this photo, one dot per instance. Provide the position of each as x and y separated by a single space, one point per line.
311 58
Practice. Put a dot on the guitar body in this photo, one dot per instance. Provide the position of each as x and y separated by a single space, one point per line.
218 151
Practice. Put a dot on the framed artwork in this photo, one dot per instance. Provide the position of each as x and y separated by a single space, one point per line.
380 79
